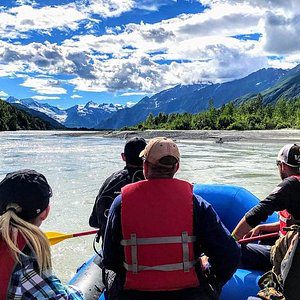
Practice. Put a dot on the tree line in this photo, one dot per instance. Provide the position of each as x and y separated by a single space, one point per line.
12 118
250 115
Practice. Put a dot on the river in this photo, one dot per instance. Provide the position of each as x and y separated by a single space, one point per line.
76 166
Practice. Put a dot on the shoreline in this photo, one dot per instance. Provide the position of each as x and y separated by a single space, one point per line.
284 135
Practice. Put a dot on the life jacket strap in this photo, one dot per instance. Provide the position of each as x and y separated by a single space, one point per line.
184 239
159 240
166 268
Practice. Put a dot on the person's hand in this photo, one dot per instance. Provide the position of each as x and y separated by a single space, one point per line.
204 263
254 232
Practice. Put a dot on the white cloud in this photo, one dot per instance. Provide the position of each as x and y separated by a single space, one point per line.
281 34
3 94
20 21
26 2
44 86
23 19
132 94
109 8
130 104
76 96
147 58
45 97
279 21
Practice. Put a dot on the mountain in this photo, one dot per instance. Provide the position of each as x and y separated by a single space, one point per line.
12 118
87 116
194 98
49 110
287 88
90 114
54 124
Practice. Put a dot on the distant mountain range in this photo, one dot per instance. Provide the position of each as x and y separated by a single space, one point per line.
271 83
87 116
12 118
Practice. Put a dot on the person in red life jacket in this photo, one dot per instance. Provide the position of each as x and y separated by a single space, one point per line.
111 188
25 260
284 199
157 229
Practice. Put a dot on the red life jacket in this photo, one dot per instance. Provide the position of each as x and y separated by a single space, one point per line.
285 216
157 227
7 264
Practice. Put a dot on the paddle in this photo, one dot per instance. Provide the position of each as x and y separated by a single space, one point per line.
57 237
259 237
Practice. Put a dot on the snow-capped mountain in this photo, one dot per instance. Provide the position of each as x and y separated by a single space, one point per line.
87 116
51 111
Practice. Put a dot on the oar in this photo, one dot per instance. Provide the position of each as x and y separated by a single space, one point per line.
259 237
57 237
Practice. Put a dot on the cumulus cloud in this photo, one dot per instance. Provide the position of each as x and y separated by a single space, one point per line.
76 96
281 34
26 18
37 97
133 94
26 2
3 94
279 21
44 86
106 8
269 4
147 58
20 21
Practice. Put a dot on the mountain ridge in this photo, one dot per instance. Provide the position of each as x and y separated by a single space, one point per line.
194 98
271 83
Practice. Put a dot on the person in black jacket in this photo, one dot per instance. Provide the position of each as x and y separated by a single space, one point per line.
111 188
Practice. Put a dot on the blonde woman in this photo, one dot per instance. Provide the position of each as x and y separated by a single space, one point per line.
25 260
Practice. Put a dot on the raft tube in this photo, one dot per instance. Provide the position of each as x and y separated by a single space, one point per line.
231 203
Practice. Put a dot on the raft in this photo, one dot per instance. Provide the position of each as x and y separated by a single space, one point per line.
231 203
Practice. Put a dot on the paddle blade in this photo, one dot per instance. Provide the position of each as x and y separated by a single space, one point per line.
57 237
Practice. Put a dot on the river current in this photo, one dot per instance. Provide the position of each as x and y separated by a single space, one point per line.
76 166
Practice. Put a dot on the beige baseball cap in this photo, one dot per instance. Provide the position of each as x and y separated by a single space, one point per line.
158 148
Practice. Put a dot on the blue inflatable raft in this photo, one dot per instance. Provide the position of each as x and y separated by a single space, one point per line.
231 203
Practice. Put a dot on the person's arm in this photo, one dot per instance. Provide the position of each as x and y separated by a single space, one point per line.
262 229
95 219
215 241
113 254
110 189
241 229
278 200
30 284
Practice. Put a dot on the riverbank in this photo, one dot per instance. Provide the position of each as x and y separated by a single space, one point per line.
283 135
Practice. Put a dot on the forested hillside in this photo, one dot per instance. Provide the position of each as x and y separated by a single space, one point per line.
249 115
12 118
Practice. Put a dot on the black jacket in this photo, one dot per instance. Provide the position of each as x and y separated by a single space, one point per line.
110 189
285 196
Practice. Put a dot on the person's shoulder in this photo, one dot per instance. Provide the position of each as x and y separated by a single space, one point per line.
116 177
116 205
293 180
200 202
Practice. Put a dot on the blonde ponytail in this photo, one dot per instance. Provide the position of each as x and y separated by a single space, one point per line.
11 225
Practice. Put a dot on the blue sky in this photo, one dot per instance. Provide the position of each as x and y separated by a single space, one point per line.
118 51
